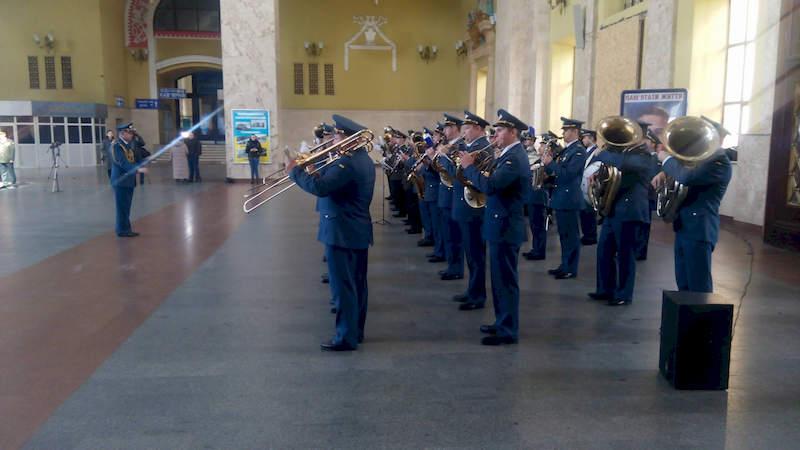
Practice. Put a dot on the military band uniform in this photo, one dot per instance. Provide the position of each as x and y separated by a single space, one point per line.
697 225
431 204
567 200
504 230
616 251
345 191
411 199
451 231
123 181
588 214
537 218
470 221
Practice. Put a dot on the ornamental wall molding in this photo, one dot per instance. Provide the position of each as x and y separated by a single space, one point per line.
370 29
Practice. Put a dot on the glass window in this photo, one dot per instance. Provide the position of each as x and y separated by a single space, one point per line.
740 67
187 19
208 21
187 15
24 119
9 130
98 134
58 120
58 134
72 120
9 119
86 120
44 119
26 134
86 134
45 134
74 134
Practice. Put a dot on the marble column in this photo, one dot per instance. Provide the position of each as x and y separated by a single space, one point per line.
658 63
584 66
249 63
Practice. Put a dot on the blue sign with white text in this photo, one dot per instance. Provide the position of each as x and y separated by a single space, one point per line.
146 103
172 93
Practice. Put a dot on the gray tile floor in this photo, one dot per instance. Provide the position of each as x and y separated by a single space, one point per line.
231 359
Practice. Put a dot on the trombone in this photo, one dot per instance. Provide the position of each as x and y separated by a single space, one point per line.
269 177
309 163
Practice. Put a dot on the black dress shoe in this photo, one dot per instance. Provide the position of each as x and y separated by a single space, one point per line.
460 298
436 259
532 257
588 241
488 329
128 234
425 243
331 346
334 310
555 271
470 306
565 275
641 258
618 302
598 296
451 276
325 279
441 272
430 255
498 340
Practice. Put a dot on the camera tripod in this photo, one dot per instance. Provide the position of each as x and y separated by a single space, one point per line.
55 153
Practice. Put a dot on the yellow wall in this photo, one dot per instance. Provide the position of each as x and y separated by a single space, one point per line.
115 56
171 48
562 26
370 83
561 81
706 66
76 27
610 12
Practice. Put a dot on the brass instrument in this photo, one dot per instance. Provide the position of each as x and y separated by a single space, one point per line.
691 140
309 163
484 162
444 175
619 134
270 178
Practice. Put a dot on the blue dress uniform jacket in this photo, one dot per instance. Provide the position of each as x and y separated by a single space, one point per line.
461 210
432 182
451 231
631 202
123 169
505 189
698 218
346 190
568 170
697 224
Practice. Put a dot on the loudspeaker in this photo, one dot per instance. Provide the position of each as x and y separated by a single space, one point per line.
695 340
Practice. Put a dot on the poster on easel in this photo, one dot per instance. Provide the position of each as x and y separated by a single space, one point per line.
246 123
654 106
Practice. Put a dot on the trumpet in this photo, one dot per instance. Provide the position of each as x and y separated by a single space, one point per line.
444 175
484 162
271 176
312 163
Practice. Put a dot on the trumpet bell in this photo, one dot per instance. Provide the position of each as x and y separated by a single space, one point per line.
691 139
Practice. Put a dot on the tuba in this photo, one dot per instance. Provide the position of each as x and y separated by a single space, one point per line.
484 162
691 140
619 134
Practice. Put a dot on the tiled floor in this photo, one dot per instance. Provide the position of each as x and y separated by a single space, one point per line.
204 332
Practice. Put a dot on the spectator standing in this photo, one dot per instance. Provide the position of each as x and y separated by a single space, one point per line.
195 149
8 179
254 152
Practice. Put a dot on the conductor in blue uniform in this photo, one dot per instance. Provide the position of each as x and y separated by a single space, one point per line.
697 225
345 191
471 219
630 212
504 223
567 199
123 178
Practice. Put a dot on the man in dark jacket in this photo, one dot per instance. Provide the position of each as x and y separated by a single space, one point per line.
194 150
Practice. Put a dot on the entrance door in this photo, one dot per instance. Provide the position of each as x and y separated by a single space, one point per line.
201 101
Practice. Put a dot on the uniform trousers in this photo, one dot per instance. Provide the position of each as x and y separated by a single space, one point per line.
454 251
503 260
537 218
347 269
589 223
642 241
123 197
569 235
425 217
616 258
475 250
436 224
693 264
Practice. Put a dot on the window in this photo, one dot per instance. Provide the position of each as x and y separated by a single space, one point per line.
50 72
329 79
313 79
298 79
58 134
740 69
33 72
187 15
74 134
66 72
45 134
26 134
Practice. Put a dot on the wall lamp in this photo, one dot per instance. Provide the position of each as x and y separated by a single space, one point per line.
313 48
427 52
461 48
139 54
48 42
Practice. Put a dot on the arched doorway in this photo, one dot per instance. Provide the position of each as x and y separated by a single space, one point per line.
202 84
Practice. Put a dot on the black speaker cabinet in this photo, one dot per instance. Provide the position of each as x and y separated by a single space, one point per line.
695 340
